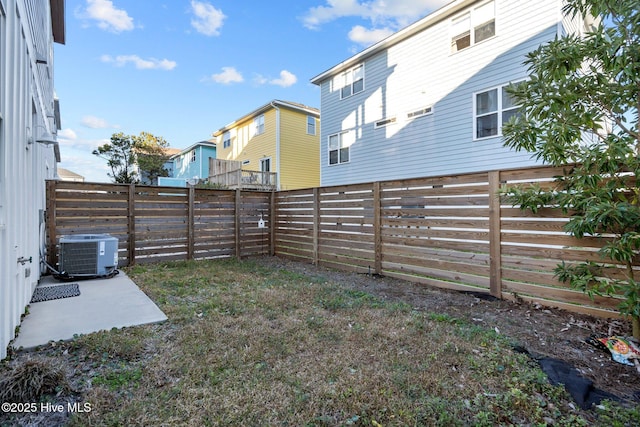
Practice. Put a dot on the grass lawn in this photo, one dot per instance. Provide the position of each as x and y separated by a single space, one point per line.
250 345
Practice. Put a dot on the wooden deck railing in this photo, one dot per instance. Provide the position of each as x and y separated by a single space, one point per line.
246 180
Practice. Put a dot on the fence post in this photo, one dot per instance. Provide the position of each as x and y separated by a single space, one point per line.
377 231
272 223
237 222
51 222
495 246
316 225
131 225
190 220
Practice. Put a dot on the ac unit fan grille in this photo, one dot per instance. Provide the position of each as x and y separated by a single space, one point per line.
80 257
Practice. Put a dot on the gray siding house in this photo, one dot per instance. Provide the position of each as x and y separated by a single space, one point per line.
430 99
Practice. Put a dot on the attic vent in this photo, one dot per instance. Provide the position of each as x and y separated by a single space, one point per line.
419 113
385 122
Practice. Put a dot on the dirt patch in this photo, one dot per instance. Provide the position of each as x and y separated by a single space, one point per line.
541 331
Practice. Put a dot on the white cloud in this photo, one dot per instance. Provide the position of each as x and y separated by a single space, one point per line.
140 63
94 122
69 139
208 20
385 16
335 9
67 135
227 76
363 36
108 17
259 80
286 79
92 168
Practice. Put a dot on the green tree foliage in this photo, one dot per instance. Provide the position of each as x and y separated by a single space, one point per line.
120 158
580 110
151 156
135 158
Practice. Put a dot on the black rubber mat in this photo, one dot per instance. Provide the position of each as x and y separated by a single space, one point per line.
48 293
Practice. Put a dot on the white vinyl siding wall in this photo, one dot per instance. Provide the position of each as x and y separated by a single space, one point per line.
421 71
26 98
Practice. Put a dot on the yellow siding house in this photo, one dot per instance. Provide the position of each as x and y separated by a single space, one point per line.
280 137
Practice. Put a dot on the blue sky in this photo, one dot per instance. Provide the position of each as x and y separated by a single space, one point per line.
181 69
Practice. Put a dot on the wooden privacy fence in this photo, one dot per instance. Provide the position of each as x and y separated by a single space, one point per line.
451 232
160 223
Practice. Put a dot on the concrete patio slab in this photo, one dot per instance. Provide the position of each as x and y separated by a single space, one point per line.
103 304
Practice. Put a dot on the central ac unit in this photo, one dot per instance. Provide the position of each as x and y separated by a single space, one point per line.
88 255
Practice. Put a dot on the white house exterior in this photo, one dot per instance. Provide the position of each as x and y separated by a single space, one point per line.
429 100
29 120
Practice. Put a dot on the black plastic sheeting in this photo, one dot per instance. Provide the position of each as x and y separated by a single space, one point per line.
581 389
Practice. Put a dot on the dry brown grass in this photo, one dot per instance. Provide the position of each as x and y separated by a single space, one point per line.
252 345
30 381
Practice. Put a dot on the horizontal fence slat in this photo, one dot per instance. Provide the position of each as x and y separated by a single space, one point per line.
435 231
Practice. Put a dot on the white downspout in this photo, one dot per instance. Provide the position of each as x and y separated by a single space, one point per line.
201 157
277 145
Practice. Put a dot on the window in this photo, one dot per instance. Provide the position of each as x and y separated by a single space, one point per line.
384 122
265 164
419 113
311 125
193 155
258 124
492 109
352 81
226 139
265 167
338 148
472 27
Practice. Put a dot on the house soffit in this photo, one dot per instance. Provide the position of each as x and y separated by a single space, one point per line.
57 21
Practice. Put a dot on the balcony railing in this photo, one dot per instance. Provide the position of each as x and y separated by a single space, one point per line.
228 174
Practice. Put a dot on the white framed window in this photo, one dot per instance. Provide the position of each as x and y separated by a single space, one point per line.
491 109
421 112
193 155
473 26
226 139
311 125
339 148
384 122
258 124
352 81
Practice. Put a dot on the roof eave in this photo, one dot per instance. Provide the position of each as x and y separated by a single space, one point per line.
263 109
409 31
194 145
57 20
